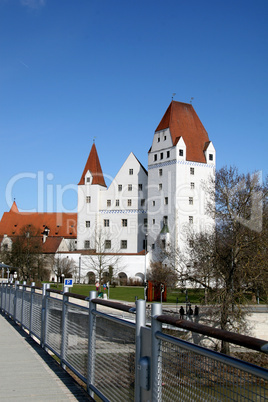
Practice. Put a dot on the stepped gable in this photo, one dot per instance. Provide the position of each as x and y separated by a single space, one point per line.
59 224
94 166
182 121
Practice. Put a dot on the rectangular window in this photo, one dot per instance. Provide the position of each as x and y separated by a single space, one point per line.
87 224
168 154
129 203
165 137
124 223
88 199
192 186
166 200
117 203
155 157
130 187
211 157
158 139
181 152
191 219
140 187
142 202
153 221
153 203
108 244
163 243
108 203
153 246
191 201
87 244
160 172
161 155
106 223
123 243
165 220
88 179
160 186
145 222
131 171
191 170
119 187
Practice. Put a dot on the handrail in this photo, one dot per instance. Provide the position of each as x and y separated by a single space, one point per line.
115 305
257 344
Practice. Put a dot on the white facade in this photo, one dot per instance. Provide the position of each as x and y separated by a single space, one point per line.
116 214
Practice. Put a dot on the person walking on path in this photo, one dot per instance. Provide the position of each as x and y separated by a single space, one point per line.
181 311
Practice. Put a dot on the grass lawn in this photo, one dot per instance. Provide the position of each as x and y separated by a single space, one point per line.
128 293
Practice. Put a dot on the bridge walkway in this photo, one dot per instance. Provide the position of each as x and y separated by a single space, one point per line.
29 373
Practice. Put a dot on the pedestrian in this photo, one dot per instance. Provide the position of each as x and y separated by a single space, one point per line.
181 313
190 311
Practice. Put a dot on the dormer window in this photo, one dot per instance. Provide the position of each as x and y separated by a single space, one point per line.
131 171
88 199
210 157
181 152
88 179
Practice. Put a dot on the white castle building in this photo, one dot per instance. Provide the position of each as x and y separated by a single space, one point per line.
139 210
151 208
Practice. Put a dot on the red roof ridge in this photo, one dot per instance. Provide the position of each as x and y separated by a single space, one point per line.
94 166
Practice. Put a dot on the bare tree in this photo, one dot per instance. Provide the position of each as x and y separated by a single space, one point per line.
230 262
104 261
64 267
26 254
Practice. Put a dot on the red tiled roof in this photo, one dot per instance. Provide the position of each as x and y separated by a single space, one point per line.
94 166
183 121
59 224
51 245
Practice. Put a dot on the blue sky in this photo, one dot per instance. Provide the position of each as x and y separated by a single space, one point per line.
75 70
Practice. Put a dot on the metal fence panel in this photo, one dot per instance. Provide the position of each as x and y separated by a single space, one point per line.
26 309
115 360
76 339
18 305
189 376
37 315
54 325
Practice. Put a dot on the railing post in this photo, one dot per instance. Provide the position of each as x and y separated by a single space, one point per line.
9 300
31 307
22 301
15 299
44 313
140 322
91 342
156 360
63 327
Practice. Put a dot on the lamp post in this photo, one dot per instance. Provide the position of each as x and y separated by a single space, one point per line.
62 275
145 266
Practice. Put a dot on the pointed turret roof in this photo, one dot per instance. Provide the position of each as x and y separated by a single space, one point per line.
183 121
14 207
94 166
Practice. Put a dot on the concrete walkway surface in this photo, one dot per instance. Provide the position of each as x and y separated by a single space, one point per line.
29 373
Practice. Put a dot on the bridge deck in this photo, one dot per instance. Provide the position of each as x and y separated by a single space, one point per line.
28 373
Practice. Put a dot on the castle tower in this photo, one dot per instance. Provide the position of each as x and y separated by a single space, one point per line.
90 186
180 159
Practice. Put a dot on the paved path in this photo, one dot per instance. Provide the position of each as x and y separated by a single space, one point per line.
28 373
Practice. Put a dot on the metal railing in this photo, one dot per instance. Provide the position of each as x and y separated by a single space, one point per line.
122 359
